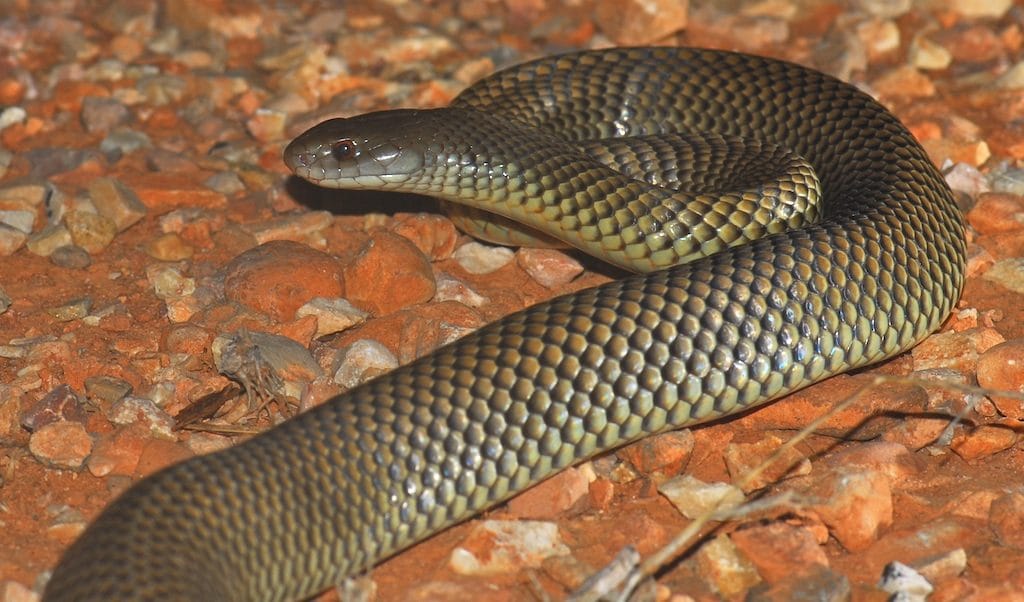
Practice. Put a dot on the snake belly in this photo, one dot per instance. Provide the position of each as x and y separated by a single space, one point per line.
333 491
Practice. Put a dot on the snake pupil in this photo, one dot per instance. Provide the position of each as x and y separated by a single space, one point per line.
343 149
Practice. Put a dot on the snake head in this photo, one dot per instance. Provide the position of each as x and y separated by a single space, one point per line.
358 152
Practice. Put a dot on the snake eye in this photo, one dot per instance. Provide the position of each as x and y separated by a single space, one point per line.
343 149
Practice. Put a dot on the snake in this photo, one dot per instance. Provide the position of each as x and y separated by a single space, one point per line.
724 313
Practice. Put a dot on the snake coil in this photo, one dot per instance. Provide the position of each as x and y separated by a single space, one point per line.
334 490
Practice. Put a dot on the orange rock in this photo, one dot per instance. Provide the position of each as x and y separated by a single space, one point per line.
1001 368
725 568
633 22
879 402
12 91
1006 519
164 191
68 94
434 235
983 441
778 549
550 267
553 496
278 277
892 459
118 453
856 506
602 492
160 453
667 453
973 504
956 350
904 82
495 547
915 432
388 274
997 212
61 444
743 458
187 338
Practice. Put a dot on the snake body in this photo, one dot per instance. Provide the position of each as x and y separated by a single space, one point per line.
332 491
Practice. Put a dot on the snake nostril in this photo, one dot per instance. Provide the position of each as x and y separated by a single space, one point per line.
304 159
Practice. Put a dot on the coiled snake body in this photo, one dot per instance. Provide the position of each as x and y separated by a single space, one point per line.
334 490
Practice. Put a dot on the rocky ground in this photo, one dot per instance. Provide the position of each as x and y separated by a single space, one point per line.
153 245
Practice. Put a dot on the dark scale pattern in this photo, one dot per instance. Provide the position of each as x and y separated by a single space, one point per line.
333 491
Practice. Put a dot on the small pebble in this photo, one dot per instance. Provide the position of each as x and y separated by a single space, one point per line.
945 566
332 315
50 238
434 235
91 231
61 404
693 497
744 458
450 288
61 444
980 8
725 569
478 258
122 142
169 247
132 410
1008 273
554 496
308 226
496 547
635 22
169 283
28 195
967 179
103 114
1001 368
106 389
72 257
926 54
117 202
667 453
983 441
856 504
19 220
1008 180
779 549
904 583
550 267
225 182
72 310
11 239
361 361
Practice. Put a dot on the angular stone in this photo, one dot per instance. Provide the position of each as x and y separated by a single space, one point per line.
116 201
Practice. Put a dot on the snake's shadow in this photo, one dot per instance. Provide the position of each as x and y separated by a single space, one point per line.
362 202
358 202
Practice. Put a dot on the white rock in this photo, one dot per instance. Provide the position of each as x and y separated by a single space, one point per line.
363 360
478 258
693 497
332 315
494 547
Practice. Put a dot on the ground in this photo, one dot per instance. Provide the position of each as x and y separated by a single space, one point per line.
141 141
